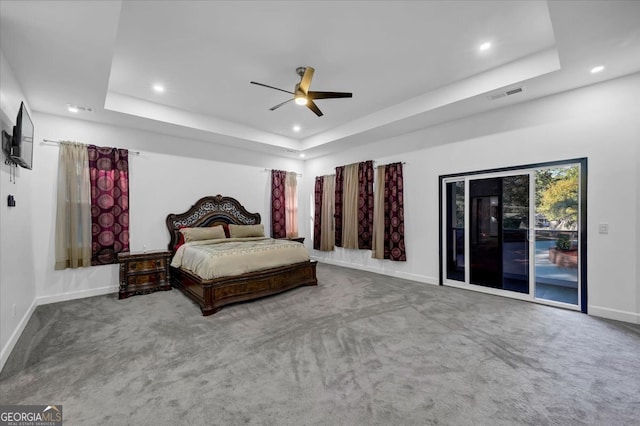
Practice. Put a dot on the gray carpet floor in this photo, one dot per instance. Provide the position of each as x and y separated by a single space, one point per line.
360 349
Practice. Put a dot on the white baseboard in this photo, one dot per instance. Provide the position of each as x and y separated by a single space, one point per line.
72 295
11 343
614 314
381 271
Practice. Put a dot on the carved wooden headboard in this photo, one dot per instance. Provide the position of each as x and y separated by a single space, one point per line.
210 211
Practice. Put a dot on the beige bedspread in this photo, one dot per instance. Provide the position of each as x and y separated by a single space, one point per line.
235 256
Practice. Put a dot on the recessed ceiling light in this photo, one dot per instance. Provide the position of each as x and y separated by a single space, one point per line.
485 46
296 128
158 88
597 69
77 108
302 155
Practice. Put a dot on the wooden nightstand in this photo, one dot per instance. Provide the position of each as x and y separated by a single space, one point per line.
297 239
142 273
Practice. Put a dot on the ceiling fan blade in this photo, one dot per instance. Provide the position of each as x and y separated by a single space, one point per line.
271 87
306 79
328 95
279 105
313 107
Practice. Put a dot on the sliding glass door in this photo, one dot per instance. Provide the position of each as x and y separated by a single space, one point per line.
499 227
556 233
515 233
455 234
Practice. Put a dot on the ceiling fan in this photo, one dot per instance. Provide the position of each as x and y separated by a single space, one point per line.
301 93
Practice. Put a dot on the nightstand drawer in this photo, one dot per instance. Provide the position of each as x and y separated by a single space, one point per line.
146 265
154 277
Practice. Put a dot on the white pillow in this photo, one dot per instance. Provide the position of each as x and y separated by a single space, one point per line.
204 233
245 231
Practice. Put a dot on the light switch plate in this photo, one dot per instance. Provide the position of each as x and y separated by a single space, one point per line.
603 228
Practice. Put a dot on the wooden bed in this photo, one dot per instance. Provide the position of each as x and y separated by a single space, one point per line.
212 294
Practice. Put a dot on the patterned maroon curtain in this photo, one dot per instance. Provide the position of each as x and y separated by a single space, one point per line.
278 214
394 213
109 176
365 205
337 212
317 214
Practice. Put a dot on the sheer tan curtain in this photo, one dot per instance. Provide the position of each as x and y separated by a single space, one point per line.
327 237
350 207
291 204
73 218
378 216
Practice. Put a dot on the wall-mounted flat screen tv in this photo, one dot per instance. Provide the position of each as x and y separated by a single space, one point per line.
21 151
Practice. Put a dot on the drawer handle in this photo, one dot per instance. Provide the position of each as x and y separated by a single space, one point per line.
133 265
158 262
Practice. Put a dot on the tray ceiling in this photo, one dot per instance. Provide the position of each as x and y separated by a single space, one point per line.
409 64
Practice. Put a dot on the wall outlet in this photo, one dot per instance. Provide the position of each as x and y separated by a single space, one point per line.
144 248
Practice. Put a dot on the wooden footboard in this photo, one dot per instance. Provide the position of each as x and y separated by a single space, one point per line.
212 295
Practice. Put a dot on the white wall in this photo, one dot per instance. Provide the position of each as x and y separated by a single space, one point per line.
599 122
17 281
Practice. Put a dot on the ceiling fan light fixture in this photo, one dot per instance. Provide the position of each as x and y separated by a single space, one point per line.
302 95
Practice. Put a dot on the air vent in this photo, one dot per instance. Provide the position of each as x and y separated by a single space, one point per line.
503 94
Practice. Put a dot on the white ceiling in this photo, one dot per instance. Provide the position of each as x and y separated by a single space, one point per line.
409 64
